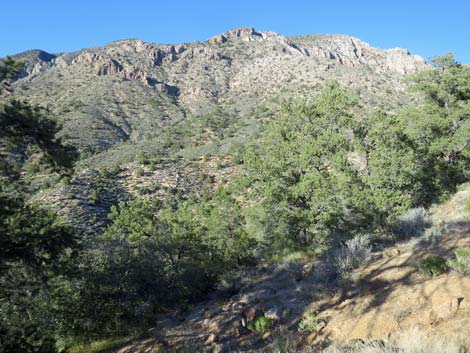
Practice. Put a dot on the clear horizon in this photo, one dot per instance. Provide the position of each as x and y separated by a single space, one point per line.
425 28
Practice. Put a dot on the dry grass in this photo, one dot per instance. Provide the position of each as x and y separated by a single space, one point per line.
455 210
411 341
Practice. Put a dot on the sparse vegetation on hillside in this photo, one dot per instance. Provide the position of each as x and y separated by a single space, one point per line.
318 174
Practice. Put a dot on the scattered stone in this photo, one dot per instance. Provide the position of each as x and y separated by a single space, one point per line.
217 348
211 339
250 314
456 303
214 326
273 313
391 252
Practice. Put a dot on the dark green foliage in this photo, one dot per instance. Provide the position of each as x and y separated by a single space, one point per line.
32 237
175 239
310 180
226 227
108 173
434 266
154 255
319 170
300 168
390 170
9 70
440 128
22 124
25 339
260 324
36 248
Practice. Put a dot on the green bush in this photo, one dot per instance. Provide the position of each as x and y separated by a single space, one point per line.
152 165
65 180
107 173
308 323
433 266
261 324
94 197
461 263
143 263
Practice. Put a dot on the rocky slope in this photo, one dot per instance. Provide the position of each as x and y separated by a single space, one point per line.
157 119
129 88
130 102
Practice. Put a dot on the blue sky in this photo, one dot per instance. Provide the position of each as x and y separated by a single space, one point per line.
427 28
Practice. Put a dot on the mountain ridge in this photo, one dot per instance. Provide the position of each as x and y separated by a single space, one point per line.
194 78
246 33
131 101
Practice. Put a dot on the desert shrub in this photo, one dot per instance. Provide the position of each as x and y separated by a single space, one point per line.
461 263
141 158
136 268
154 255
435 233
145 190
107 173
308 323
352 254
433 266
260 324
282 344
94 197
412 223
152 165
237 152
65 180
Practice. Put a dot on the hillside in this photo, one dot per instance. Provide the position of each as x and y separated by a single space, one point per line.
130 90
249 193
388 304
130 103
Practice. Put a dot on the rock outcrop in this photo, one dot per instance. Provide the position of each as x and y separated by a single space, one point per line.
110 67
